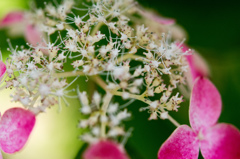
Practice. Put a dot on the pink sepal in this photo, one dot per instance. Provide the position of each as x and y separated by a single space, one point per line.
2 70
205 105
198 66
12 18
15 127
217 141
157 18
162 20
33 35
221 141
182 144
104 150
201 67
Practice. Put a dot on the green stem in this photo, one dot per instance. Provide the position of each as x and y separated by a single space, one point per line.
68 74
96 28
170 118
102 84
131 56
104 112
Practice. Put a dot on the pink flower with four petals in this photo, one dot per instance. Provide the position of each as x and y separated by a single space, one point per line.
216 141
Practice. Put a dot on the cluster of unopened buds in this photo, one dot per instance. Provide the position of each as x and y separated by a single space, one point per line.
125 51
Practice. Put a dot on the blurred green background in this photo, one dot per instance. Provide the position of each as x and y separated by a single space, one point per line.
213 29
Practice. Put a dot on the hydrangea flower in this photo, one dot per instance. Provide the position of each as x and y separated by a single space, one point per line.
15 127
104 150
216 141
105 56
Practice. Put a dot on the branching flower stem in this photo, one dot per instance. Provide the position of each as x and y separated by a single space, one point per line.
131 56
113 45
103 85
68 74
80 73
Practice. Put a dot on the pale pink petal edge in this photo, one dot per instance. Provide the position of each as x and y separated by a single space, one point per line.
157 18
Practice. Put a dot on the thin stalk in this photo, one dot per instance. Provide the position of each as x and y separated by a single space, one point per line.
96 28
104 111
170 118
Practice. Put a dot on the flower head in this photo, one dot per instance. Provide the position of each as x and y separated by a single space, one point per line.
101 40
219 141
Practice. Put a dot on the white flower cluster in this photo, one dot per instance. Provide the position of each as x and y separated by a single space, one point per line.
102 40
32 75
103 117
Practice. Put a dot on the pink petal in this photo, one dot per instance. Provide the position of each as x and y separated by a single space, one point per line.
12 18
2 70
104 150
15 127
162 20
182 144
33 35
198 66
177 32
157 18
201 66
1 155
205 105
222 141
